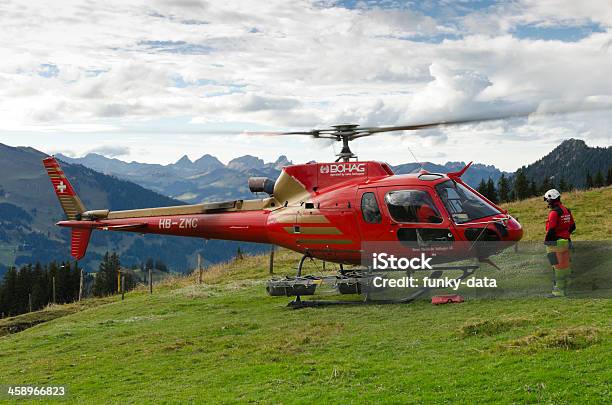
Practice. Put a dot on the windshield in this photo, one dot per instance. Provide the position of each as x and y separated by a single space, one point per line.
462 203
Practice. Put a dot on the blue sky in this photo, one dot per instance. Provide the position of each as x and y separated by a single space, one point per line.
154 80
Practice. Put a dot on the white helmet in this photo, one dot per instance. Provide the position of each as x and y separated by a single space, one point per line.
552 194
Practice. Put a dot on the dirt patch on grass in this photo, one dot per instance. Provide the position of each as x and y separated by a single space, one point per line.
490 327
177 345
20 323
565 339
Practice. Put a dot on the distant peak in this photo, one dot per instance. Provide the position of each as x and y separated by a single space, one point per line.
281 162
207 162
184 161
246 162
573 142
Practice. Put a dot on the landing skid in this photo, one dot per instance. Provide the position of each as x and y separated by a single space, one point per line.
347 282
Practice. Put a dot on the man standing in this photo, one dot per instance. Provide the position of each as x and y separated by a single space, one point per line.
559 227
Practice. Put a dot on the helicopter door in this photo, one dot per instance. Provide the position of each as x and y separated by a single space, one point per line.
415 215
372 225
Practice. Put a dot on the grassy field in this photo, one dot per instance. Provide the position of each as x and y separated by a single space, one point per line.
226 341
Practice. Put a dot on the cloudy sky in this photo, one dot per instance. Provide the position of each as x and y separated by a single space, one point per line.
153 80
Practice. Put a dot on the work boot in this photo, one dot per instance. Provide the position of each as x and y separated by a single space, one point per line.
556 293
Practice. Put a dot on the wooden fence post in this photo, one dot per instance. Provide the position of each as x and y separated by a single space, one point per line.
199 269
271 265
54 301
150 283
30 301
122 287
81 286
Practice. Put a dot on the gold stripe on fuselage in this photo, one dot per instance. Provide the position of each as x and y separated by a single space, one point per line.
314 230
324 241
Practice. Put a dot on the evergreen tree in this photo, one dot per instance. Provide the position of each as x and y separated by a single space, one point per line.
491 192
533 189
482 187
504 188
521 185
51 279
9 297
76 281
546 185
37 281
23 285
161 266
563 185
589 180
599 180
105 282
512 196
40 292
63 284
609 177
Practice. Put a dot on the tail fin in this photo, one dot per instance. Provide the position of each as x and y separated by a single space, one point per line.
79 242
69 200
71 204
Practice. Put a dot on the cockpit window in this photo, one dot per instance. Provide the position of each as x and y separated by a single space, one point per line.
462 204
412 206
369 209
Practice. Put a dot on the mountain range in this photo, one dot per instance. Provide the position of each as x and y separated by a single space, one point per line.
208 179
29 210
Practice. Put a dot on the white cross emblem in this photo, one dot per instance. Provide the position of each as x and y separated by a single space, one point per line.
61 187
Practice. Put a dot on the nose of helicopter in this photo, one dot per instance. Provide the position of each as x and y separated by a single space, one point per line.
515 230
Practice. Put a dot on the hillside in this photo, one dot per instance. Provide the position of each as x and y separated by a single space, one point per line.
570 161
227 341
29 210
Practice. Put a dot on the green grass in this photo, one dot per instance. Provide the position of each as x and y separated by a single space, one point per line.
226 341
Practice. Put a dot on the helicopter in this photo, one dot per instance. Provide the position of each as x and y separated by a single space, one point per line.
323 211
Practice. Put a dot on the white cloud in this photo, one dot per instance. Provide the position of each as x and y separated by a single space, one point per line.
111 150
105 69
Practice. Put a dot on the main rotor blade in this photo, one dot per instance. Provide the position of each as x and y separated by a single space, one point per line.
548 110
354 131
460 121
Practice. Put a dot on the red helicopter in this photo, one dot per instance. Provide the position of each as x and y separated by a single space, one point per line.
325 211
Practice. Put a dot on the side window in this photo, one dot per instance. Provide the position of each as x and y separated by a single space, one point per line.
369 209
412 206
